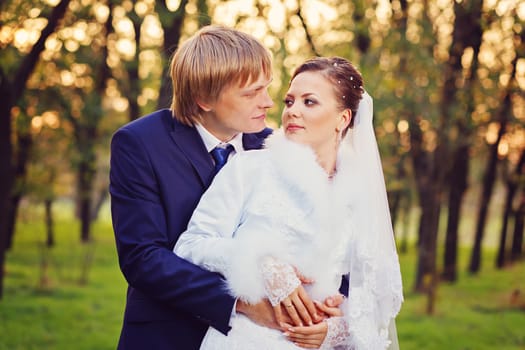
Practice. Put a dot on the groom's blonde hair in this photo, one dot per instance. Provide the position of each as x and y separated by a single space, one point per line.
215 57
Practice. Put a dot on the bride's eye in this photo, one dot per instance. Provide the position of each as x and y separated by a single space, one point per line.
310 102
288 102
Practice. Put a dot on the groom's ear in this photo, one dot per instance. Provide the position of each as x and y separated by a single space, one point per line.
205 106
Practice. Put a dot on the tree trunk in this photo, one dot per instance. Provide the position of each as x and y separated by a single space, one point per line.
12 213
428 229
512 189
400 23
131 88
490 176
432 175
85 219
429 190
134 108
458 186
502 118
405 224
172 32
507 211
11 90
517 237
470 22
87 135
429 203
488 186
86 172
24 145
95 210
6 169
394 199
400 196
519 225
50 233
362 27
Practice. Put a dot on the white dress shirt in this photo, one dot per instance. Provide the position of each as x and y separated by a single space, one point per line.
210 141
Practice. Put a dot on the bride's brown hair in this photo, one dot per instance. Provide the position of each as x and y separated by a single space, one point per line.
345 78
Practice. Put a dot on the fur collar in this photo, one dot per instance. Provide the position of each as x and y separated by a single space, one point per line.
296 164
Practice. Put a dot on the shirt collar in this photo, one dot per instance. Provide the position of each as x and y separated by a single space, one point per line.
210 141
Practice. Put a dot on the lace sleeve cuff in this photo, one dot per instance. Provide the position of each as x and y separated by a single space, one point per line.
280 279
337 334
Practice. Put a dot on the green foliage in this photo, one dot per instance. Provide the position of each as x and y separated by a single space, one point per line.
60 313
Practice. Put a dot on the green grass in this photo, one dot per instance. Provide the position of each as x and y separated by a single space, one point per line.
62 313
474 313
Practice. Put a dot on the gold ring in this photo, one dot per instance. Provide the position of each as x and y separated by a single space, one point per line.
289 305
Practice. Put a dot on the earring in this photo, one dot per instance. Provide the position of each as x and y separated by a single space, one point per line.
339 136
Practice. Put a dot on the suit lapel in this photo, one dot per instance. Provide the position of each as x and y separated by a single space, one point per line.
190 143
255 141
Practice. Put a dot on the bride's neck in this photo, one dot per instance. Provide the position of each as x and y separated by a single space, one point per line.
327 158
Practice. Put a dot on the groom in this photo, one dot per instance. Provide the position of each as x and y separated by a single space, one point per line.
160 166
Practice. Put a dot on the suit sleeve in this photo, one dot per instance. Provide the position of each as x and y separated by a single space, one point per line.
145 255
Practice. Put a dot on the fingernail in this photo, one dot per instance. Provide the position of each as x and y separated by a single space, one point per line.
287 334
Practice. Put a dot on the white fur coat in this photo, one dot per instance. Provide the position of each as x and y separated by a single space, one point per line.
280 202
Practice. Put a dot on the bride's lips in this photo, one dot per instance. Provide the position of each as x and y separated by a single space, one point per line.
293 127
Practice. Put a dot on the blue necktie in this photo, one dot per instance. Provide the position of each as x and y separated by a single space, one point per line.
220 155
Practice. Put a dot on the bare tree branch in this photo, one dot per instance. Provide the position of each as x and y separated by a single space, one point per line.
306 30
30 61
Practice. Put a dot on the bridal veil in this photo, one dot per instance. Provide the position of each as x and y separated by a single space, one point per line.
374 272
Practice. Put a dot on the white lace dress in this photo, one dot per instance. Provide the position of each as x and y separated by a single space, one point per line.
279 203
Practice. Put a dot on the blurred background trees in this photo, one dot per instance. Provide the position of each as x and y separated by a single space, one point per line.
447 77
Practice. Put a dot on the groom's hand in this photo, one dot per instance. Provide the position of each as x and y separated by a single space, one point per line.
330 306
261 313
334 301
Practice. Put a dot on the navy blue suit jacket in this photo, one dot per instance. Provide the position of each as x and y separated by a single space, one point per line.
159 170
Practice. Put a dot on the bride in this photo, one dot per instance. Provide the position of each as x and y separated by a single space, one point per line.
313 202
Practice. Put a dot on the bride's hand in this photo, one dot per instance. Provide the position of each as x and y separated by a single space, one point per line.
311 337
328 334
283 286
299 307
